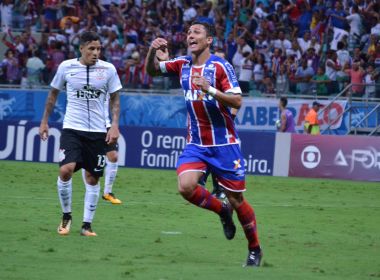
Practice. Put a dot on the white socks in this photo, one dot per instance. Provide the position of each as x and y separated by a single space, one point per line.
90 202
110 176
65 191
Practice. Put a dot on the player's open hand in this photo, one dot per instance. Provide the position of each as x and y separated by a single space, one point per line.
44 131
201 82
112 135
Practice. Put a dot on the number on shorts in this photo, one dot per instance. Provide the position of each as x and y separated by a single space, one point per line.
101 160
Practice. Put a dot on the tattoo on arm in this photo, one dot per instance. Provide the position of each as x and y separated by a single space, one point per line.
115 107
50 102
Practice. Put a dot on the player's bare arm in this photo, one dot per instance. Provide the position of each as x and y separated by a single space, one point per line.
113 132
50 102
283 123
230 100
158 51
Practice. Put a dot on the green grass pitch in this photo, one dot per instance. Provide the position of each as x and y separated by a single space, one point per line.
309 229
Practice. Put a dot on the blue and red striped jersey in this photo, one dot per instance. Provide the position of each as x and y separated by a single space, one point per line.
209 121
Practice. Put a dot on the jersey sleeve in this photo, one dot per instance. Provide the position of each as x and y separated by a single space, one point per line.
59 79
172 66
114 83
226 78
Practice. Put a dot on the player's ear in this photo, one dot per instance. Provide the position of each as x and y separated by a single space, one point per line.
210 39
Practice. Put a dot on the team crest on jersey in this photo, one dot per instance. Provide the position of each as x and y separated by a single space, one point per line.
100 74
61 156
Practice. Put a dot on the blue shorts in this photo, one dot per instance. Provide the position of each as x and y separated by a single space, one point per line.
226 162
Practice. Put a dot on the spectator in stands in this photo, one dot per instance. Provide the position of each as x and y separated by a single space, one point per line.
31 16
312 59
6 7
320 81
304 42
189 13
110 26
331 69
259 70
281 42
10 66
370 79
295 51
94 13
242 48
34 67
50 16
277 61
303 75
245 72
304 20
356 74
133 71
311 124
282 81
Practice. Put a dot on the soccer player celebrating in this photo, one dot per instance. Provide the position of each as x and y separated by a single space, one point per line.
210 89
84 136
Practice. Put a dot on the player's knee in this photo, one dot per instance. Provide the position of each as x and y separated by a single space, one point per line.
112 156
186 189
91 180
235 198
66 172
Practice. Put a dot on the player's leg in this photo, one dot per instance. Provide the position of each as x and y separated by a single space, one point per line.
247 220
217 190
69 156
91 199
94 160
231 176
110 174
190 169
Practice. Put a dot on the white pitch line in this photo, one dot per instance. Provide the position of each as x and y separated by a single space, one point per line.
171 232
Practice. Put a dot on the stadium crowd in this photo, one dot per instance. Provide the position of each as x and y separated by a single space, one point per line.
276 46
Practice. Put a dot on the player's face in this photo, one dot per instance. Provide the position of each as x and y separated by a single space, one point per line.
90 52
197 38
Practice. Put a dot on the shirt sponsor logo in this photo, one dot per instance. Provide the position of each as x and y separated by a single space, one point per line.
196 95
88 92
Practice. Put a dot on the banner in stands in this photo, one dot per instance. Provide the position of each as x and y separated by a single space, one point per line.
343 157
139 147
262 113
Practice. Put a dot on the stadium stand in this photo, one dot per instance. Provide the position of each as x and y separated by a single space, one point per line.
298 48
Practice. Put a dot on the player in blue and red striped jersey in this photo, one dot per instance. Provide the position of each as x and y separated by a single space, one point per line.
210 89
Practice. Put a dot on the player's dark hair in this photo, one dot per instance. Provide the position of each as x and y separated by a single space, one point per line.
87 37
210 30
284 101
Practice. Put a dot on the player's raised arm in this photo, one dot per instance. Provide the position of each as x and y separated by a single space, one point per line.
113 132
158 51
50 102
